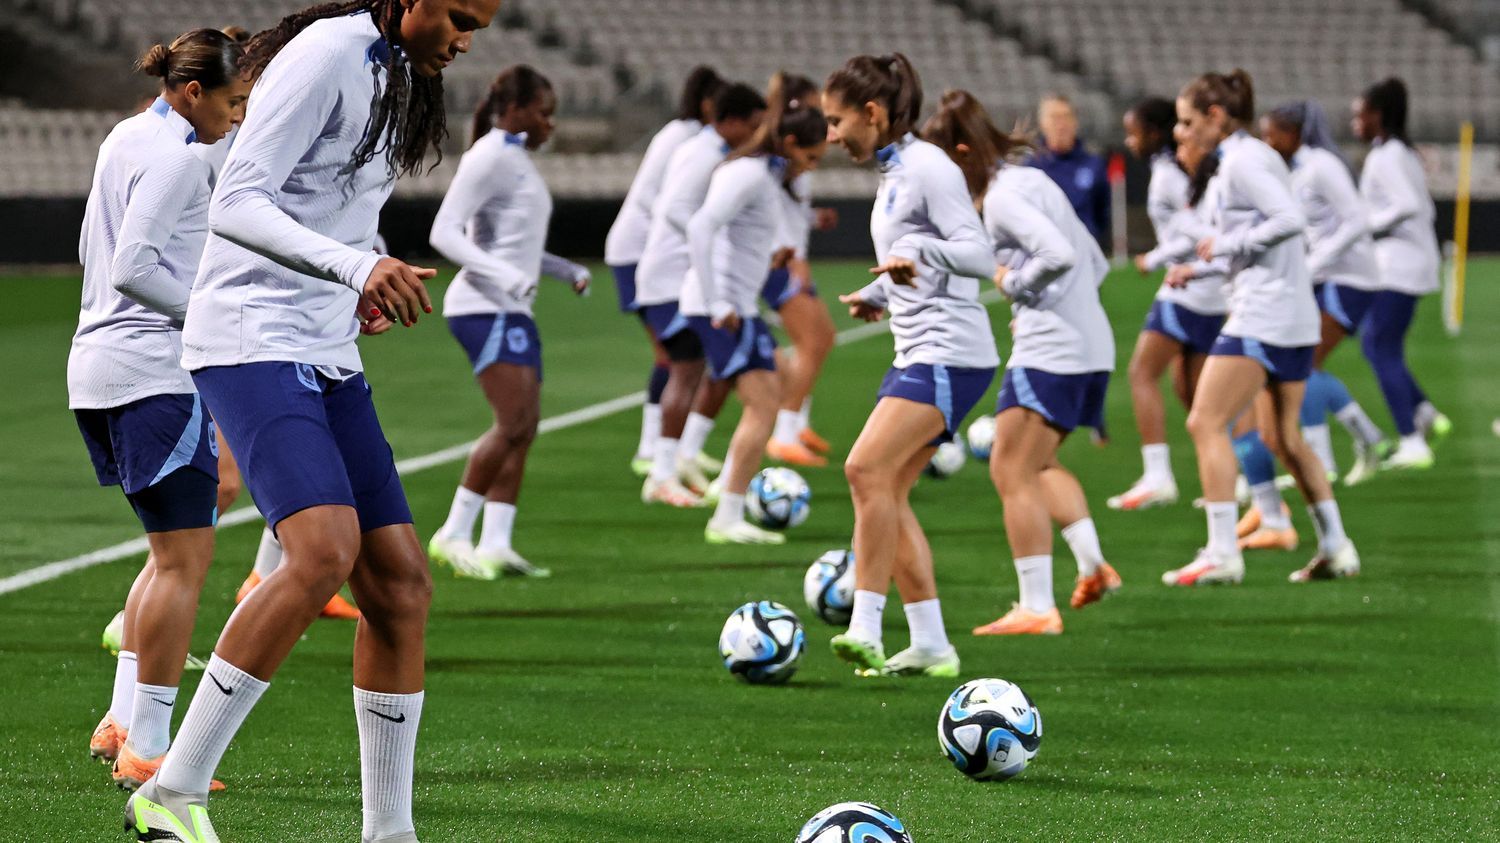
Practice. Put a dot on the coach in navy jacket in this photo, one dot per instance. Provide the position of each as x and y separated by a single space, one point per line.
1081 174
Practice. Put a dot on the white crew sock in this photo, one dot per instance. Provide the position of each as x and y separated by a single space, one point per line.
730 509
694 434
650 431
1268 500
806 414
387 752
462 515
1222 517
219 707
1035 574
664 463
1330 526
1083 539
723 476
1321 441
1359 424
122 702
925 620
151 729
499 520
1158 462
1424 416
788 427
864 621
268 557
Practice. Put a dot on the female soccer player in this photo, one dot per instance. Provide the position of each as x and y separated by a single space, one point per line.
1050 269
627 237
931 251
1341 260
1265 351
142 421
493 223
1401 211
1183 322
731 239
351 95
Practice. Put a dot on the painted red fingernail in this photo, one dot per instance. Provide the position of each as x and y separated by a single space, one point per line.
374 311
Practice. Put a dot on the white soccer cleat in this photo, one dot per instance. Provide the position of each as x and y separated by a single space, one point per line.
640 466
458 554
1366 464
1207 569
114 634
711 494
154 813
1344 563
510 563
741 532
690 475
1144 495
669 492
915 662
708 465
1411 454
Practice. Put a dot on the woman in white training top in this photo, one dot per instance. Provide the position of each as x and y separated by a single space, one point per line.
493 223
932 252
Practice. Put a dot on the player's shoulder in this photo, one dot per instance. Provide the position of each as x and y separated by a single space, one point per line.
349 41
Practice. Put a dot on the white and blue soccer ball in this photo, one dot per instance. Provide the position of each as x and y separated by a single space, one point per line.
762 643
981 437
829 586
854 822
779 499
990 729
946 460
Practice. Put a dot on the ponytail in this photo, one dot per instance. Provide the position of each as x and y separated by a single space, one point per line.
704 83
788 114
1389 98
889 80
1233 92
206 56
519 85
962 120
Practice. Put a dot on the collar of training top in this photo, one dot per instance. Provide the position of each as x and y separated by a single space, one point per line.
184 129
514 140
890 155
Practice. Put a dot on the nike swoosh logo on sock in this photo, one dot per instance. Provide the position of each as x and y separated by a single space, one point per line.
228 692
401 719
166 703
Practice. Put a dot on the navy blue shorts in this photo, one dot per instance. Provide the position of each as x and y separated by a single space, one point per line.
1196 331
729 355
663 319
1345 305
143 448
954 390
304 440
490 338
1067 402
1282 364
625 286
780 289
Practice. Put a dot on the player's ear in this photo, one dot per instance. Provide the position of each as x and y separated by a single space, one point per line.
193 90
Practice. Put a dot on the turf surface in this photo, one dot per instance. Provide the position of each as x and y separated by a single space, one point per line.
592 706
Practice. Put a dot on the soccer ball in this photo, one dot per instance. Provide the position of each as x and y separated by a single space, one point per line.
829 586
989 729
946 460
762 643
854 822
779 498
981 436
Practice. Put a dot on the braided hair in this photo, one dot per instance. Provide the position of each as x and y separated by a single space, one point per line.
407 117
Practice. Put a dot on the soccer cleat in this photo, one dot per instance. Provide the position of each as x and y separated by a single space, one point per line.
1250 522
1093 588
669 492
711 494
740 532
707 464
131 770
691 476
193 664
864 655
339 609
510 563
246 587
640 466
1019 621
1144 495
1207 569
915 662
1409 455
1367 460
107 739
1437 428
1270 538
813 442
114 634
794 453
158 815
458 554
1344 563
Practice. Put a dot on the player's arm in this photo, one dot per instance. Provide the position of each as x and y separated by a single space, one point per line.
1337 188
1051 255
480 177
732 188
1268 194
1402 199
575 275
962 247
155 208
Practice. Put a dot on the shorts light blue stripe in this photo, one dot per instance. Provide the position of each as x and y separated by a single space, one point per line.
1025 395
1172 322
1334 307
943 394
1257 352
187 443
490 353
741 355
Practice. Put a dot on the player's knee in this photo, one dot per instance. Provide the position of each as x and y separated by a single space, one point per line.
864 478
1201 424
403 597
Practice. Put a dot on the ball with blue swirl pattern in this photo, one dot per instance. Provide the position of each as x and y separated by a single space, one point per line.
854 822
829 586
779 499
762 643
989 729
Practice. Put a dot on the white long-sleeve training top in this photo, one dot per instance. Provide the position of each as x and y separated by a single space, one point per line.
665 261
1338 237
143 233
795 231
1401 218
1178 229
1259 227
1056 269
923 213
493 223
732 236
627 236
291 227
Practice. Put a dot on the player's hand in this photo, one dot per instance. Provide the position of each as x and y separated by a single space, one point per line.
1179 275
728 322
371 320
1140 265
782 257
581 284
861 309
901 271
396 288
1000 272
1205 248
825 219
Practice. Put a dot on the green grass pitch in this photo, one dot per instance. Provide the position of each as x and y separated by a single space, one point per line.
593 707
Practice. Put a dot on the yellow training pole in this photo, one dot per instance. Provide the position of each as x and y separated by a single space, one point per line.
1461 219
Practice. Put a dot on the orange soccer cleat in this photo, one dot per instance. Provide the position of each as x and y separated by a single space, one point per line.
1091 589
1248 523
794 454
1019 621
131 771
813 442
107 739
337 607
1270 538
246 587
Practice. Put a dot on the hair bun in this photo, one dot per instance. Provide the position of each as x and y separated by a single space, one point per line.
156 61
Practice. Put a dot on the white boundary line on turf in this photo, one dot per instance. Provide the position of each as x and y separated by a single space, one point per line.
134 547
